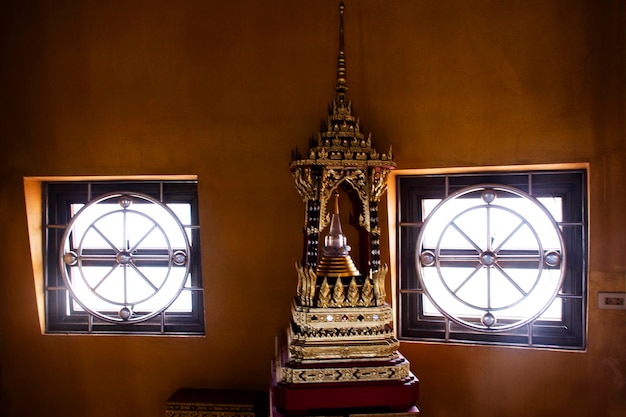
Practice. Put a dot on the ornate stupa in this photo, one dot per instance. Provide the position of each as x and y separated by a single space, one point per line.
339 354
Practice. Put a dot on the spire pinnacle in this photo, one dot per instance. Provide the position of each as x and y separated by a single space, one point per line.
341 60
336 196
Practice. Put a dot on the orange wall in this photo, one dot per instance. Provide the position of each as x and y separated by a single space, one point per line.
225 90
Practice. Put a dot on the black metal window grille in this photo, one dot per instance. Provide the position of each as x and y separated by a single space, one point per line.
567 331
119 258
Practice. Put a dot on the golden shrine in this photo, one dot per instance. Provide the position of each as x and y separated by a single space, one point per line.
340 355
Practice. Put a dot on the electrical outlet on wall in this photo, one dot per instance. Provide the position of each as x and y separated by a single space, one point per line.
612 300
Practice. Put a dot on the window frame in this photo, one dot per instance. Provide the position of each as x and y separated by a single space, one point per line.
57 198
406 190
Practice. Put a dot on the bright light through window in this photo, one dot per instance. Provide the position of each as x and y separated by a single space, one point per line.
141 283
474 226
122 256
491 252
495 256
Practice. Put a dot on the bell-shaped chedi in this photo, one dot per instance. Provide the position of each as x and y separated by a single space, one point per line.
335 260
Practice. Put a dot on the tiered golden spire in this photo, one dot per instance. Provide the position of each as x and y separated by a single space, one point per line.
340 140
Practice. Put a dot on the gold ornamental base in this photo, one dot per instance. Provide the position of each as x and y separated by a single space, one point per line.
339 334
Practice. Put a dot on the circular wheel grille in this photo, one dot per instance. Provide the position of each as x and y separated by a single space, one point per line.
490 257
125 257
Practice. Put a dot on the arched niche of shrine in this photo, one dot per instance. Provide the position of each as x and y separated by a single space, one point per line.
351 209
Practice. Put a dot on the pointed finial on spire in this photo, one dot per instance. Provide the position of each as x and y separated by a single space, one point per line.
341 60
335 242
336 195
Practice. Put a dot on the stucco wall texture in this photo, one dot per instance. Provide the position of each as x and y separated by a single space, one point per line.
225 90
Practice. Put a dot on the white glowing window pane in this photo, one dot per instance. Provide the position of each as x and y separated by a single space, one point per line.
553 313
137 225
513 292
474 226
148 227
503 294
182 304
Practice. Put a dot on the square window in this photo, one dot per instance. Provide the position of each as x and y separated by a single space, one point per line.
122 257
494 257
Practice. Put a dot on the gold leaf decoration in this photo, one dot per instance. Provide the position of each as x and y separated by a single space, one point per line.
323 300
367 294
353 293
338 294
